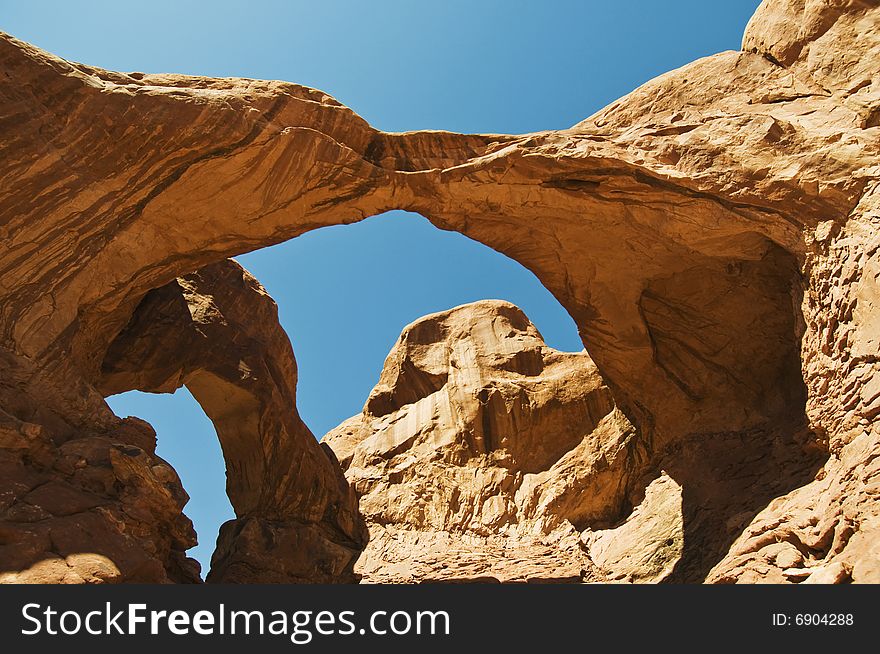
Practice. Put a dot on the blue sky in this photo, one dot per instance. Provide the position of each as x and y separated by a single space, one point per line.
344 293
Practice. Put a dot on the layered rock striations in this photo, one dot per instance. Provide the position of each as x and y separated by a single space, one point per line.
714 234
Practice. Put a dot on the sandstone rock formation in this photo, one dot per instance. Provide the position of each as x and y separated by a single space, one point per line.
217 332
714 234
482 454
100 507
481 449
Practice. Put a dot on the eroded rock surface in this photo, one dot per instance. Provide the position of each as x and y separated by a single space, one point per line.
481 449
482 454
99 508
216 331
714 234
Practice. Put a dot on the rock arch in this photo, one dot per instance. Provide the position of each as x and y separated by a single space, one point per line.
712 233
262 162
216 331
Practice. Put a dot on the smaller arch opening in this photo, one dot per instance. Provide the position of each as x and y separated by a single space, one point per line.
186 439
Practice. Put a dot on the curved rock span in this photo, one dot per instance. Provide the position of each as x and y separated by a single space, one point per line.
714 234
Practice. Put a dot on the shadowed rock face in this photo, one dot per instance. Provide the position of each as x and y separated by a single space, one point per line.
216 331
714 234
98 508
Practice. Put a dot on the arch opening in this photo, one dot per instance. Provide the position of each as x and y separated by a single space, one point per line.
175 339
695 316
623 217
187 440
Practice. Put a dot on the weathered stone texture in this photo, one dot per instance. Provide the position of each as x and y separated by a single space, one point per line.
714 234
